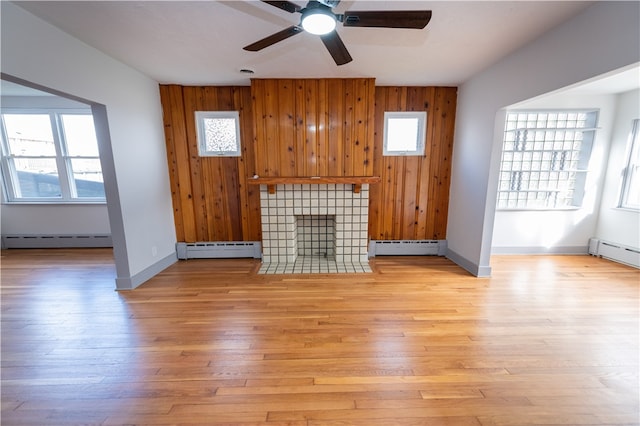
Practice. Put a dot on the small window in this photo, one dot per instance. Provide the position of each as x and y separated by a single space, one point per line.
630 196
218 133
545 157
404 133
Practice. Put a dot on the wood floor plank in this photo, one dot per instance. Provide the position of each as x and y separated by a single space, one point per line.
546 340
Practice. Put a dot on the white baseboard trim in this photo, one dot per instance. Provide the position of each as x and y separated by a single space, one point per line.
540 250
471 267
129 283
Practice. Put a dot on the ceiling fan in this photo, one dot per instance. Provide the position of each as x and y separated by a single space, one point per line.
318 18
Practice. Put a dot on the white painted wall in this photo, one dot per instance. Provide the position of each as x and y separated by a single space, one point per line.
602 38
619 225
561 231
132 146
48 219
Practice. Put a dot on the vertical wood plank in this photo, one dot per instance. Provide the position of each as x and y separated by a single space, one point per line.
323 143
360 122
193 102
249 194
447 100
300 126
370 124
177 158
286 127
347 169
210 178
334 121
310 159
376 200
425 210
259 125
272 129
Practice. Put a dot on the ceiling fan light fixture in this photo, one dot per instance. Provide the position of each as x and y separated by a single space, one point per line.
318 21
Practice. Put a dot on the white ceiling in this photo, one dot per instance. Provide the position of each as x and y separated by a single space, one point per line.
200 42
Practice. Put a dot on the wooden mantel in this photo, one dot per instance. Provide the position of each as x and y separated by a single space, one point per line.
271 182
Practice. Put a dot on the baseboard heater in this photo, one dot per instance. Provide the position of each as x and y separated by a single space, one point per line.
213 250
56 241
407 248
616 252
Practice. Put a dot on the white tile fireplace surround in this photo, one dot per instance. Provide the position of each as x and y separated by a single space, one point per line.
314 228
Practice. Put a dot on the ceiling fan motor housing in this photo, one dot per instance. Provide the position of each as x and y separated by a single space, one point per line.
330 3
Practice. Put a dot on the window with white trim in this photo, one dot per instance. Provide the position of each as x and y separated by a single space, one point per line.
404 133
545 157
51 156
630 195
218 133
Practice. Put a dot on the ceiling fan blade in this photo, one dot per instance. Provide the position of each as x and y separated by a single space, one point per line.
274 38
336 48
417 19
284 5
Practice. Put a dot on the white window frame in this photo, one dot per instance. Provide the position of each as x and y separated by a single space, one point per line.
631 172
420 135
68 190
545 159
201 116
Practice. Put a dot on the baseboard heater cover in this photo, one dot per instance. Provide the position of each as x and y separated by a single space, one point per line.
56 241
222 250
616 252
407 248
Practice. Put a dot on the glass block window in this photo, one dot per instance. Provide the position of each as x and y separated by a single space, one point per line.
545 157
630 196
218 133
404 133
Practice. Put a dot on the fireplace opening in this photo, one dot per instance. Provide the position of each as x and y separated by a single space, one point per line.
316 236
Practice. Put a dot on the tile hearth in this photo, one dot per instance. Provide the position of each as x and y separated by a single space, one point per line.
314 265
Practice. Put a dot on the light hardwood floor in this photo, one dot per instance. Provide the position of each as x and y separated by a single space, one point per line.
546 340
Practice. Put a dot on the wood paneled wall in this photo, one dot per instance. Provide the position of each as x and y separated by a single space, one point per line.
314 127
308 127
211 199
411 200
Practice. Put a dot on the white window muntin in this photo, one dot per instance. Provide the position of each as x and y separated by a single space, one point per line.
218 133
404 133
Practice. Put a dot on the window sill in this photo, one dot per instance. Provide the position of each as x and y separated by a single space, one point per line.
627 209
542 209
54 203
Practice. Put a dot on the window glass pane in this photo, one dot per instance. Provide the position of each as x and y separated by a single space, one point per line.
220 134
80 135
87 176
37 178
30 134
542 153
631 189
402 134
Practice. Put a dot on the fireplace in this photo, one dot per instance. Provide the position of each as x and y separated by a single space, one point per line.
310 228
